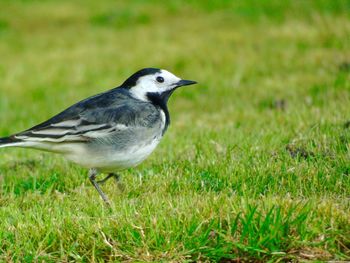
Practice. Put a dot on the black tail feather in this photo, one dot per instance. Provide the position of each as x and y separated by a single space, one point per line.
7 140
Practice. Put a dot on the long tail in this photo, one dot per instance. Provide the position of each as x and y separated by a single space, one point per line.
9 142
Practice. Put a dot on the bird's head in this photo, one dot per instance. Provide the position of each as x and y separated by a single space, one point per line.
151 83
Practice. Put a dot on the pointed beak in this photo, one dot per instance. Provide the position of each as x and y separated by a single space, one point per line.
185 82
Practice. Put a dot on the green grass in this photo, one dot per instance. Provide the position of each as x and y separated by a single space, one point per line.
255 165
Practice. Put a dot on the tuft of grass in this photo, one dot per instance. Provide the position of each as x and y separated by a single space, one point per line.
121 19
254 167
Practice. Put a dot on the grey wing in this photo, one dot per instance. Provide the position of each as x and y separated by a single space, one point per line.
94 118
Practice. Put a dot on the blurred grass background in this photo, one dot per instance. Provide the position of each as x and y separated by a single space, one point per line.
255 165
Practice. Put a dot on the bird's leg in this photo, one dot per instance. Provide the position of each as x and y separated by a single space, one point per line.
92 177
117 180
110 175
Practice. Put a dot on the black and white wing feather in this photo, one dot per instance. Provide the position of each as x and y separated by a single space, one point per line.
75 130
93 118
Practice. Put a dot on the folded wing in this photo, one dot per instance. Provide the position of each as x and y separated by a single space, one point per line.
93 118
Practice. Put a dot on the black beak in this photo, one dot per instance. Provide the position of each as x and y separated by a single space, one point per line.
185 82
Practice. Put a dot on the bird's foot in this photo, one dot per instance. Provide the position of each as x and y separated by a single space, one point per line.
92 177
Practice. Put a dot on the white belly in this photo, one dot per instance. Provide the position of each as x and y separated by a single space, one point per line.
110 160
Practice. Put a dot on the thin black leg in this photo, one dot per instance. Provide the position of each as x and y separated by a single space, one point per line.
115 176
92 177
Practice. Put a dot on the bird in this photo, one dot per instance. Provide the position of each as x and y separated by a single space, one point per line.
111 131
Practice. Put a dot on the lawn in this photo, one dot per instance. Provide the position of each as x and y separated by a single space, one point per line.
255 165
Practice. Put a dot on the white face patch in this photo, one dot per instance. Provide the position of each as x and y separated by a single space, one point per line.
149 83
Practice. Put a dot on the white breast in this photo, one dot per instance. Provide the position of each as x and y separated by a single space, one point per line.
162 115
137 154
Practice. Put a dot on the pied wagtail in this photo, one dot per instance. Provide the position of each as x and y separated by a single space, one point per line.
110 131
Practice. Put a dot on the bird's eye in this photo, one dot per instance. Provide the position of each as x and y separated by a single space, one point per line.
160 79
